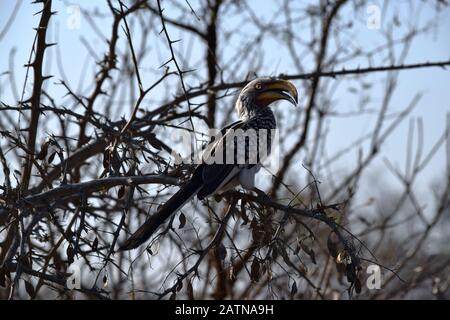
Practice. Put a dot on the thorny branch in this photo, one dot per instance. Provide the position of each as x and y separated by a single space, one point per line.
83 176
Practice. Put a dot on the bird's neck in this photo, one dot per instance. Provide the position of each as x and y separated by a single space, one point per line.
248 111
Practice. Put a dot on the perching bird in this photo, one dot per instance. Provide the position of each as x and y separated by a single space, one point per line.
209 178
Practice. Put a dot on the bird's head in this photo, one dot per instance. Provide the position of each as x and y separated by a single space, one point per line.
261 92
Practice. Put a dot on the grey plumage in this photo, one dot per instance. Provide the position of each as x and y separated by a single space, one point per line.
209 178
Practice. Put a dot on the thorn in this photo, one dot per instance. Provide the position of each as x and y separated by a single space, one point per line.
188 71
36 13
166 63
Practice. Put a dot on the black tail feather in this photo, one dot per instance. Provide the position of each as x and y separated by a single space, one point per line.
170 207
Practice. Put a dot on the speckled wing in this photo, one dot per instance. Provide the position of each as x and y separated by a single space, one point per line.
215 175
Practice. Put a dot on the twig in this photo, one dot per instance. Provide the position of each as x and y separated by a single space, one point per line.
35 98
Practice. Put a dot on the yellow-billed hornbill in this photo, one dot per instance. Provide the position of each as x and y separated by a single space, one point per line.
208 178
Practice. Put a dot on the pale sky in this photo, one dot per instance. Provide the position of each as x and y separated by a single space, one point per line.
434 83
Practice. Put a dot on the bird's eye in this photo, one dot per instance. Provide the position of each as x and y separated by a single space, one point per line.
258 86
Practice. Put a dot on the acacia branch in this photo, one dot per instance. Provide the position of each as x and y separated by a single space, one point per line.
96 185
302 76
37 90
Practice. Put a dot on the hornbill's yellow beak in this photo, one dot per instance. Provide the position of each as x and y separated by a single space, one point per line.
277 90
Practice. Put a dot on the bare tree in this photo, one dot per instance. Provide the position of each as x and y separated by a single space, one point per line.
84 164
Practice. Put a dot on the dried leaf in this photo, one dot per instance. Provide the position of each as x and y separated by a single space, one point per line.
357 286
42 154
254 223
344 258
332 244
2 278
244 214
44 149
231 274
95 244
105 281
29 288
309 251
258 232
333 213
106 159
182 219
190 290
263 270
221 252
350 273
121 192
155 247
70 254
294 290
302 270
179 285
312 254
340 268
52 157
275 253
57 261
285 255
116 162
255 268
